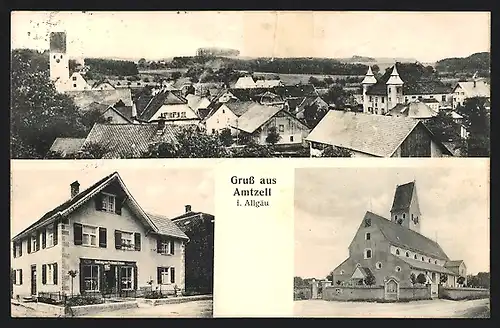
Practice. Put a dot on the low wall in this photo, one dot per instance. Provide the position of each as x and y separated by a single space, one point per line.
360 293
96 308
463 293
415 293
302 293
174 300
49 309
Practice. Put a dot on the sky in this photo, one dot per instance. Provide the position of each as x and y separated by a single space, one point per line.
454 203
39 186
427 37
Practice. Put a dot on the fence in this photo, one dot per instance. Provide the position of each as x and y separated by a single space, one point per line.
62 298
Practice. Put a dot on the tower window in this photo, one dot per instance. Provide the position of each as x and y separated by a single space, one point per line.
378 265
397 251
404 215
423 259
407 254
415 256
74 85
54 56
367 236
368 253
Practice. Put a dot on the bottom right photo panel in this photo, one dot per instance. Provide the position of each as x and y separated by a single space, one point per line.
394 242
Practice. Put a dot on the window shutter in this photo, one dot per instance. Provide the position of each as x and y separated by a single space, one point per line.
55 273
172 275
14 250
38 240
44 238
20 248
55 233
29 244
103 242
135 278
118 205
158 276
44 274
172 247
137 241
77 233
158 245
20 276
118 239
98 202
82 282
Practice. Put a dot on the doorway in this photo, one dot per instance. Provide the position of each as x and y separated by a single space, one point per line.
391 290
33 279
110 279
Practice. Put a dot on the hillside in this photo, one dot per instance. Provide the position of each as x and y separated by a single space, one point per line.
479 62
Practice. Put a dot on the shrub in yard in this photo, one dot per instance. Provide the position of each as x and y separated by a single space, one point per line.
153 295
48 300
83 300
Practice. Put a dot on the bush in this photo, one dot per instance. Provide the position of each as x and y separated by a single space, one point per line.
154 295
83 300
48 300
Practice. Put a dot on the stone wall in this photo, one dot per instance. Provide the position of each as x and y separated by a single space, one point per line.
463 293
341 293
415 293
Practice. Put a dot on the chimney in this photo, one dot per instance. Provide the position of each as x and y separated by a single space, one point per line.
134 110
188 208
75 189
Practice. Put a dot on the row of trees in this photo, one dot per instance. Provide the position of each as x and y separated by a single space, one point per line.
106 67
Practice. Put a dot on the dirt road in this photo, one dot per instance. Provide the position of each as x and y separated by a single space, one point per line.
418 309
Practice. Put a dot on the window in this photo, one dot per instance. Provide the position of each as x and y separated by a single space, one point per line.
223 111
407 254
54 56
291 138
435 262
367 236
383 99
127 240
74 85
429 260
89 236
397 251
443 98
127 278
378 265
34 243
91 278
74 78
398 269
18 279
108 203
370 98
376 99
18 249
404 216
368 223
415 256
413 97
281 128
164 275
50 273
213 130
49 233
423 259
368 253
165 248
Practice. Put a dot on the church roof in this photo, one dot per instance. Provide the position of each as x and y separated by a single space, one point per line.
402 197
416 264
394 78
453 264
404 237
369 77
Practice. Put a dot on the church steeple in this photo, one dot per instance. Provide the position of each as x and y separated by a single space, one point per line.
405 208
394 79
369 77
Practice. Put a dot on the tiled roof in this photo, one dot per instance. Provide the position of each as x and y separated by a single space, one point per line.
142 102
404 237
164 97
403 196
421 265
377 135
416 80
239 107
95 106
166 226
107 97
415 109
481 89
431 100
255 117
185 220
453 264
252 94
67 146
125 111
267 83
129 140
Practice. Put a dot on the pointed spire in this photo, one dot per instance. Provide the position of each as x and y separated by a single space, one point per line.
394 78
369 77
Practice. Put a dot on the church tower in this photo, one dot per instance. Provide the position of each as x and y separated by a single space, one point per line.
59 62
405 208
368 81
394 89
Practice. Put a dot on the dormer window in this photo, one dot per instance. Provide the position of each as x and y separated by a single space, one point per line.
108 203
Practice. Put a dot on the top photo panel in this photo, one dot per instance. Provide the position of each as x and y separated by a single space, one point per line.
120 85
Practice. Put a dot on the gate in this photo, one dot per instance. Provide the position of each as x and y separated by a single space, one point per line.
434 290
392 290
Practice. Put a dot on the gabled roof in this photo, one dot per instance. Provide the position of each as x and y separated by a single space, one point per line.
95 106
166 226
164 97
421 265
129 140
453 264
268 83
67 146
376 135
239 107
72 204
394 78
415 109
255 117
124 111
407 238
245 81
481 89
403 196
107 97
141 102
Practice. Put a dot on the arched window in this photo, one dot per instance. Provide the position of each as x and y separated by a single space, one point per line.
397 269
435 262
407 254
368 253
404 215
429 260
415 256
397 251
378 265
423 259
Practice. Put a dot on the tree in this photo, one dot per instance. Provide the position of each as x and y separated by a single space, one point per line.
92 117
333 151
413 281
92 151
369 280
313 114
176 75
328 80
244 138
38 113
253 150
461 280
273 136
443 278
421 279
375 69
226 137
298 281
338 96
477 121
447 130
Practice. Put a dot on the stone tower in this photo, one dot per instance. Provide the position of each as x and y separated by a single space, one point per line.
368 81
405 208
394 89
59 62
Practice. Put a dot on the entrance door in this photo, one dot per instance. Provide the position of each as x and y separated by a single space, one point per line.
33 279
110 279
391 290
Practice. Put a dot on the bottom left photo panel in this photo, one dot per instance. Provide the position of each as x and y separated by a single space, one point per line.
98 239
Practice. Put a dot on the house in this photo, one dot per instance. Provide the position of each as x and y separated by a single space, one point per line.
368 135
197 102
109 113
402 83
245 82
258 120
171 107
393 248
66 147
199 252
108 97
270 99
129 140
433 103
268 84
103 85
315 101
470 89
416 109
224 115
103 234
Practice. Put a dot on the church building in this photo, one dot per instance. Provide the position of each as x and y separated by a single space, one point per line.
393 248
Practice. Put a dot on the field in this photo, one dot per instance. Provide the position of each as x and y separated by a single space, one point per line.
438 308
